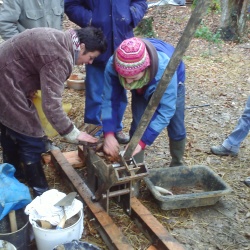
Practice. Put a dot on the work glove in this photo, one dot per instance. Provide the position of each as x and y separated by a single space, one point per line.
76 135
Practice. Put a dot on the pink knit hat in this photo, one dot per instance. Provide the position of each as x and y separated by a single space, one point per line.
131 57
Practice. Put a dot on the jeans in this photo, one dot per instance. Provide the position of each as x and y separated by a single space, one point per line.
94 89
240 132
176 128
28 148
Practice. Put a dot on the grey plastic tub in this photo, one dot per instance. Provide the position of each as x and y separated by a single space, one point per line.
191 186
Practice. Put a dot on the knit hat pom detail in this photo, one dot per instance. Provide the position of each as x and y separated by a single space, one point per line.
131 57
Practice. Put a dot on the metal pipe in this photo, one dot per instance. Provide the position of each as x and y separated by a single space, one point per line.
116 193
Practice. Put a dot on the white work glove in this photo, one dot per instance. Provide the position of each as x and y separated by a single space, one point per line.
76 135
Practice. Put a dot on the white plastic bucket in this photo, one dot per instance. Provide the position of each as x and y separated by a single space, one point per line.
47 239
5 245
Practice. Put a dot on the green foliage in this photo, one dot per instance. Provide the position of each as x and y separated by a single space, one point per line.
205 33
214 6
187 58
213 38
145 28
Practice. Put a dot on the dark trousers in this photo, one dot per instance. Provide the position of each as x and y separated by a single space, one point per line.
29 149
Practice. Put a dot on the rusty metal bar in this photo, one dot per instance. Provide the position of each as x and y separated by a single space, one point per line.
116 193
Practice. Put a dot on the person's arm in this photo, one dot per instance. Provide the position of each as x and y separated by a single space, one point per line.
166 107
9 15
52 78
76 135
113 95
77 12
138 9
162 115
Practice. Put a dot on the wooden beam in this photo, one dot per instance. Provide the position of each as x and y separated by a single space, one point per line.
151 227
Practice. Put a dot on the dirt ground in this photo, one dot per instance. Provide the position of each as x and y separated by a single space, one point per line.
217 87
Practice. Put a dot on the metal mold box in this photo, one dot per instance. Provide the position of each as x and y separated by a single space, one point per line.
203 186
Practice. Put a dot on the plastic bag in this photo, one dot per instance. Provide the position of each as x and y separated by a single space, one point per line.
14 195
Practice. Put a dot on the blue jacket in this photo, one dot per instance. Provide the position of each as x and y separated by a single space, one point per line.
116 18
114 93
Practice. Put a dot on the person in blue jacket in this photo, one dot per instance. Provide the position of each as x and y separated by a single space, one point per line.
117 19
138 65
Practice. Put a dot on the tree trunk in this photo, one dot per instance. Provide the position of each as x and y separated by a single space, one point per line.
233 19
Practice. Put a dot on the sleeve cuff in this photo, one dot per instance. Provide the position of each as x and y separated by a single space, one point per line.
108 133
73 135
142 144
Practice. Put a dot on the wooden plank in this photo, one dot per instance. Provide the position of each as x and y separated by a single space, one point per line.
109 232
151 227
73 159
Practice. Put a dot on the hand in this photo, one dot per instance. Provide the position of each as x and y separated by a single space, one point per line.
137 149
86 137
111 146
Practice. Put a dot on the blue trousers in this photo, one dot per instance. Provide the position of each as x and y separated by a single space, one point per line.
240 132
176 128
94 84
28 148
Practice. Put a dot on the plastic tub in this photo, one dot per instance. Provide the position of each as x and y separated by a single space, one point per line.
191 186
20 238
76 245
47 239
76 81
